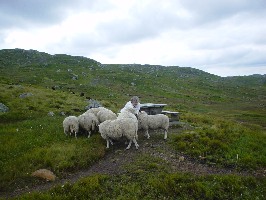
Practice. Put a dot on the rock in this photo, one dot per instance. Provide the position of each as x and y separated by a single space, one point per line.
51 113
44 174
74 77
24 95
3 108
93 104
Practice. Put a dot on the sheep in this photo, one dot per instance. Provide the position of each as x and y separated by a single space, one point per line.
115 129
102 113
147 122
88 122
106 114
127 113
71 125
95 110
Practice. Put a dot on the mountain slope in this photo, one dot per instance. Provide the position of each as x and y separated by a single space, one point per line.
182 88
222 121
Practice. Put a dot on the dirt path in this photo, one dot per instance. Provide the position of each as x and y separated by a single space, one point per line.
114 161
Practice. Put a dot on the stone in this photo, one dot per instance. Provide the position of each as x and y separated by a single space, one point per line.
93 104
24 95
51 113
3 108
44 174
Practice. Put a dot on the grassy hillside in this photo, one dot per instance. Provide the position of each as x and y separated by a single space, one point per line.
183 89
227 116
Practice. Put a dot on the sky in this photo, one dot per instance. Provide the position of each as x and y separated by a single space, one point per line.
222 37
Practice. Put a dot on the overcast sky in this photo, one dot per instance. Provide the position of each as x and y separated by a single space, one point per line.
222 37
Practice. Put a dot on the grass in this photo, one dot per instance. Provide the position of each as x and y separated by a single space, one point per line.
157 185
33 144
227 116
223 143
30 139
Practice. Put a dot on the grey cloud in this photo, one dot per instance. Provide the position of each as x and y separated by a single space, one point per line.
146 22
24 12
21 13
143 23
208 11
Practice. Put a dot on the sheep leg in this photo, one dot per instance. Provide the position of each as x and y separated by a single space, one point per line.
89 134
76 135
65 132
129 145
111 141
147 134
107 143
165 134
135 142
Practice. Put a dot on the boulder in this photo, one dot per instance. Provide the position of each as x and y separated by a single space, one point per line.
44 174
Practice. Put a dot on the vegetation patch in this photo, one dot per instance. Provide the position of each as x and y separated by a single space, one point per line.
157 185
224 121
222 142
41 143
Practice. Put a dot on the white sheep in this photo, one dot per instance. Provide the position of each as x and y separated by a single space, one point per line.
94 110
115 129
106 114
89 122
71 125
127 113
102 113
158 121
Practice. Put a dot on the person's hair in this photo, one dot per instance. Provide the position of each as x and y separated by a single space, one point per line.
135 98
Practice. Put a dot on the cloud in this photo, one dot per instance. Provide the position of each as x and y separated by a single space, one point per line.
203 34
206 11
29 13
20 13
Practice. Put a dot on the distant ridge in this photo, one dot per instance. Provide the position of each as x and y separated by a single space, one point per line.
26 57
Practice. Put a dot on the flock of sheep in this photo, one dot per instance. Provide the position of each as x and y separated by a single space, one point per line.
112 126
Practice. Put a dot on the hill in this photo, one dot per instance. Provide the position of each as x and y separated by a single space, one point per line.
222 130
182 88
